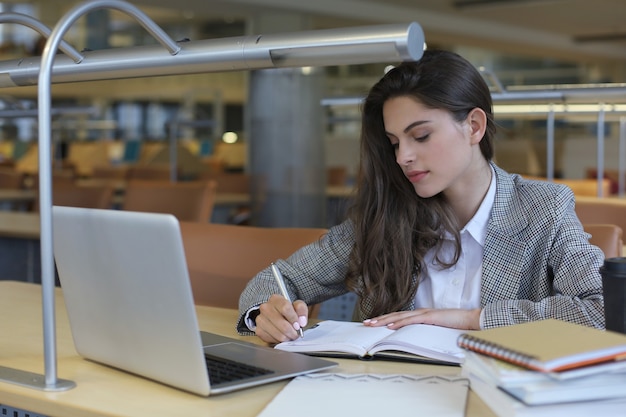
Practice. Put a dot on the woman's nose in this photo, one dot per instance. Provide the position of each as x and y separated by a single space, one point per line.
404 155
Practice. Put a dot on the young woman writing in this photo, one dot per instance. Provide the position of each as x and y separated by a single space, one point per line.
438 233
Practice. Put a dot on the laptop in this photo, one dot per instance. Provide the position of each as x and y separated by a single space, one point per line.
130 306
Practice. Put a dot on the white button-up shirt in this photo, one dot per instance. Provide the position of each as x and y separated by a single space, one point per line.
459 285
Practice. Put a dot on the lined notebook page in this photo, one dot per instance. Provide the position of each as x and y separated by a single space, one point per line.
370 395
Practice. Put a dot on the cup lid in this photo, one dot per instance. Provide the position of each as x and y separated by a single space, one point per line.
617 264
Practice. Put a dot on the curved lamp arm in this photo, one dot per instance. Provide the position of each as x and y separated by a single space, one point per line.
340 46
45 169
43 30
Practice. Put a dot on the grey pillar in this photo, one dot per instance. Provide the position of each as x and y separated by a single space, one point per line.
286 147
285 131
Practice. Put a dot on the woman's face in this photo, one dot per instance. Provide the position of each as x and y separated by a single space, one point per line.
434 151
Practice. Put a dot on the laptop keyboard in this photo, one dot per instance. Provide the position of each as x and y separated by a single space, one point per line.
223 370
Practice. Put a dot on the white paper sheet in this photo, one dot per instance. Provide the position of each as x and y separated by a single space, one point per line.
370 395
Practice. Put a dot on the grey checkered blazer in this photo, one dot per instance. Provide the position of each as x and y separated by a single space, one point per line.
537 262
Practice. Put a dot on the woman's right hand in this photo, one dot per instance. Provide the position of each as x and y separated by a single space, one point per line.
279 320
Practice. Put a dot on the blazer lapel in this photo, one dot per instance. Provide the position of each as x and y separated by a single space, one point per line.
503 255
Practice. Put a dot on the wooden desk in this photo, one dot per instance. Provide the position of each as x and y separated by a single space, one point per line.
103 391
28 196
9 195
19 224
14 199
19 246
232 199
120 186
339 191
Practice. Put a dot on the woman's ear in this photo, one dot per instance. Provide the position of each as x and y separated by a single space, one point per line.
477 122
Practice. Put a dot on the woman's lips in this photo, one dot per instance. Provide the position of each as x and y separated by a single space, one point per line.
416 176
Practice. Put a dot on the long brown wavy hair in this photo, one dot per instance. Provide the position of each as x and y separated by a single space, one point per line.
395 227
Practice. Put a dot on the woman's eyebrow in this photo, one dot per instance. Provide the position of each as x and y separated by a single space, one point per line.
410 126
416 123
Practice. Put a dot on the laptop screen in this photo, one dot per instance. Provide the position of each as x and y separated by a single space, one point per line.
130 304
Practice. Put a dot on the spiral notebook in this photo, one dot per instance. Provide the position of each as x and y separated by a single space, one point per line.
370 395
547 345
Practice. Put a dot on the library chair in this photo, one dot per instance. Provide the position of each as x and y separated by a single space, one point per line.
11 179
60 176
86 196
149 172
236 183
585 187
611 174
229 182
233 183
601 210
222 258
187 200
607 237
336 175
214 164
104 172
83 155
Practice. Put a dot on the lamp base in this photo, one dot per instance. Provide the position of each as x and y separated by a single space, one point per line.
33 380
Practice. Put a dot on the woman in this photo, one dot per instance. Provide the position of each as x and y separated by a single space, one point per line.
438 234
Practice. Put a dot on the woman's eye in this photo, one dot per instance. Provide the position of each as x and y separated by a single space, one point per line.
422 138
395 145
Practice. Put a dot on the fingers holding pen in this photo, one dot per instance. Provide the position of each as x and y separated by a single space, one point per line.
278 277
296 313
280 320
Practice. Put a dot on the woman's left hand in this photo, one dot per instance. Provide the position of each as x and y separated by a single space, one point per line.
452 317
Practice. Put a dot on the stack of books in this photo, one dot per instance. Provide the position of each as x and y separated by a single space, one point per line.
547 368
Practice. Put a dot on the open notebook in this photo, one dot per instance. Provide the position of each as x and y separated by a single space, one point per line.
129 302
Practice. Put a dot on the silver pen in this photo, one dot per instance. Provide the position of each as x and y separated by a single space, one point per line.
283 289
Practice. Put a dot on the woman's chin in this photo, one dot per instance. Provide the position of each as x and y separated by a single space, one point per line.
426 193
